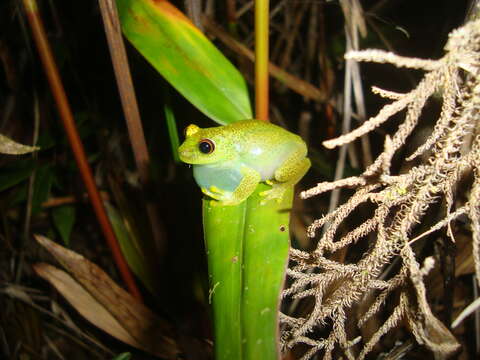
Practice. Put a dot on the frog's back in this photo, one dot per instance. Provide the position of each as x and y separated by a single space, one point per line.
253 132
264 146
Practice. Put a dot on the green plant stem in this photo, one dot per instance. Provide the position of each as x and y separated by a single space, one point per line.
53 76
261 59
171 125
265 256
225 260
247 249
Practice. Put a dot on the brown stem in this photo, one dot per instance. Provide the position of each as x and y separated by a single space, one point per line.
125 86
231 11
56 86
67 200
296 84
126 90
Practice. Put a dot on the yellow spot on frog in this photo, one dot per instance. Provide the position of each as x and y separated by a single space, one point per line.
191 130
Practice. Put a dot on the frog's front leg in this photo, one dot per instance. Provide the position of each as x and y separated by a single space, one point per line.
215 193
288 174
245 188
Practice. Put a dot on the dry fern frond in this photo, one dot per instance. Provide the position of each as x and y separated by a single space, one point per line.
400 203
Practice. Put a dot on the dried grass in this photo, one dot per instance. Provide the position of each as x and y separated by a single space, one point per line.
400 203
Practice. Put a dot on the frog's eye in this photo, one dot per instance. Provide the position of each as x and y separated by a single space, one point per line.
206 146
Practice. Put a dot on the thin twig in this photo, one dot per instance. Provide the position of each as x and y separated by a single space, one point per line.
31 182
68 122
294 83
130 109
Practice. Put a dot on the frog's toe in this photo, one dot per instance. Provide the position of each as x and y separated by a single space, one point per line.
216 190
263 193
275 193
209 193
216 193
206 191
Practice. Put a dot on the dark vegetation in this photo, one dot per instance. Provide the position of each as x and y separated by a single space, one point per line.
43 193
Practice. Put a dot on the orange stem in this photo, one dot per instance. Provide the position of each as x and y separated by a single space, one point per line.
68 122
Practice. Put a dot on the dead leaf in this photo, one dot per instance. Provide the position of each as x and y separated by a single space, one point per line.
430 331
427 329
10 147
85 304
113 308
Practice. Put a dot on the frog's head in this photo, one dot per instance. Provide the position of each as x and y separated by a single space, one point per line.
205 146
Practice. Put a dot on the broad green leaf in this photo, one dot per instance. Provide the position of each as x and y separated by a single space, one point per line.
186 58
223 228
8 146
247 248
130 247
63 219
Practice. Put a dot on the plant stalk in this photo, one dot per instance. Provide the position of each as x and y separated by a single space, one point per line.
118 54
68 122
125 86
261 59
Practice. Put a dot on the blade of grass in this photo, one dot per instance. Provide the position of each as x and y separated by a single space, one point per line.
131 249
68 122
171 125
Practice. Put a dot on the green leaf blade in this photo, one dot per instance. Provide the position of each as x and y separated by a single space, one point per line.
224 253
186 58
123 356
44 178
247 249
129 244
266 247
64 219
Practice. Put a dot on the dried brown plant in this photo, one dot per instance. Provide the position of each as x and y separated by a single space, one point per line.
400 203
